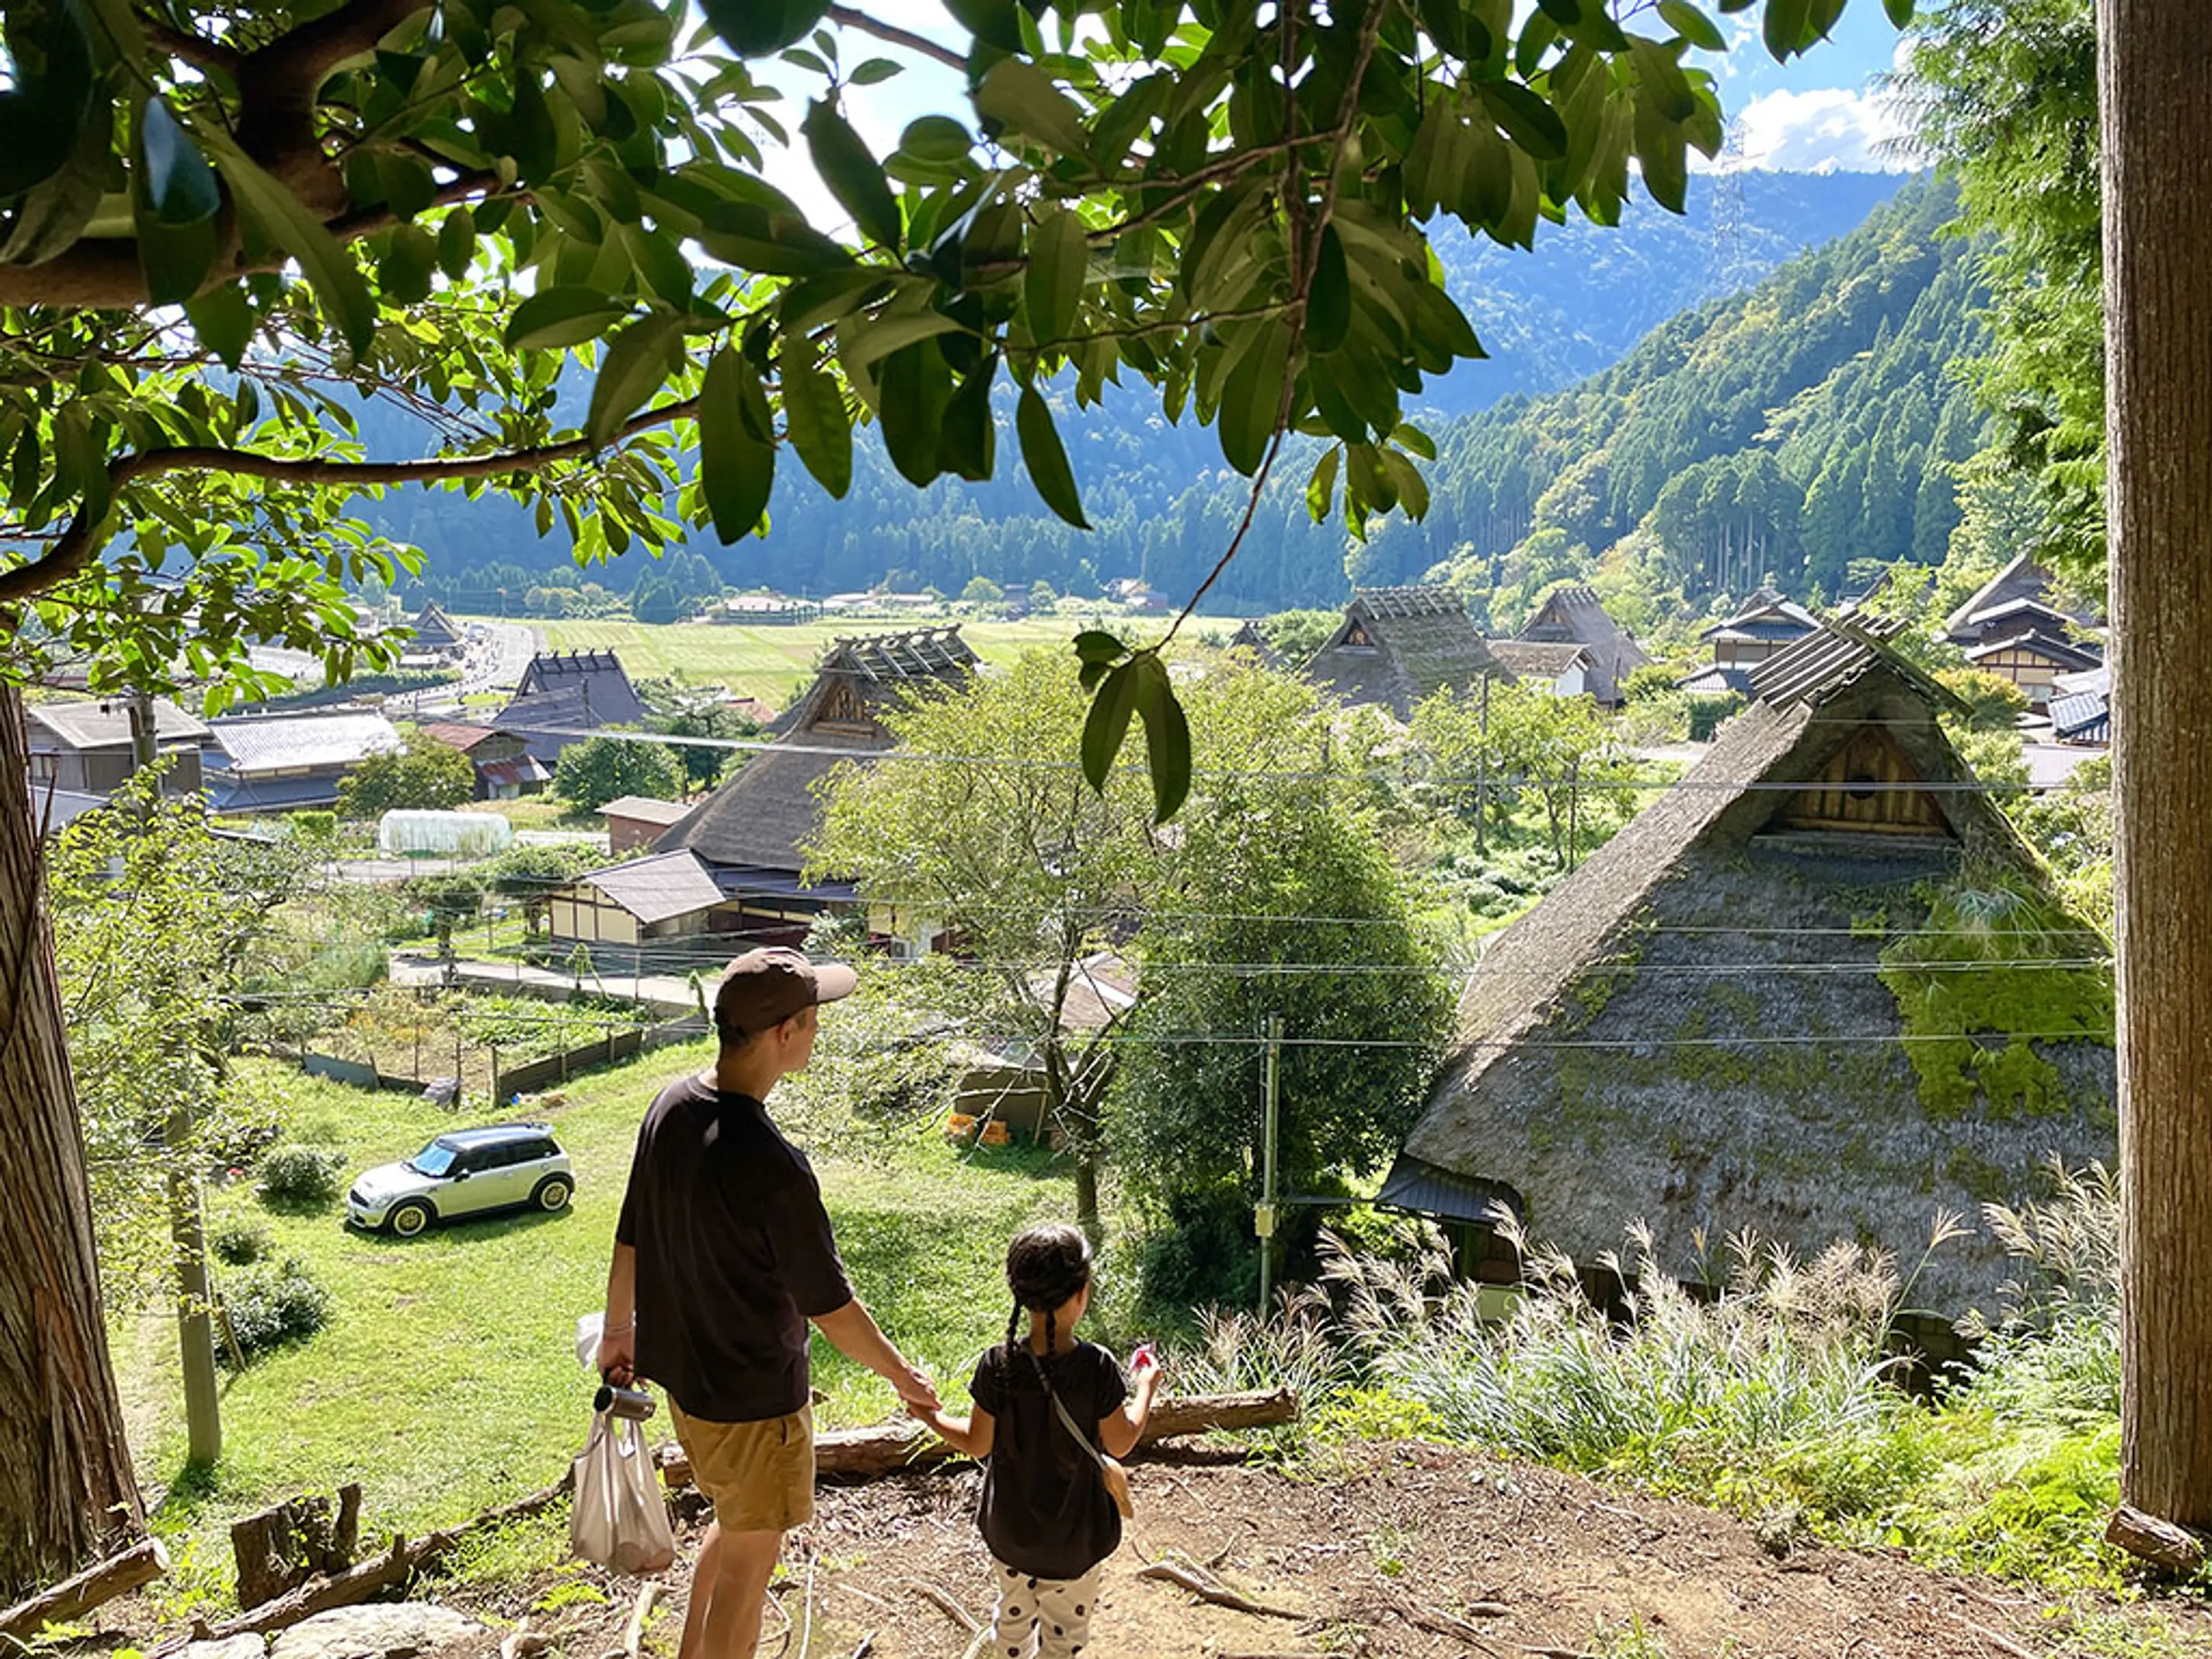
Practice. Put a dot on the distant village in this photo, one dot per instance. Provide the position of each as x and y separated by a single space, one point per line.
1641 1041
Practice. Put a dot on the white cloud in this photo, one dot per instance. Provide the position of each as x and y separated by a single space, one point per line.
1825 130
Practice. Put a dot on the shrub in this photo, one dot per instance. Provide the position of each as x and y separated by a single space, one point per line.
313 826
299 1177
268 1306
239 1244
1707 712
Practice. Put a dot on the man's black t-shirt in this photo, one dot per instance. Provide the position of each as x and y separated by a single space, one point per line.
1045 1509
734 1254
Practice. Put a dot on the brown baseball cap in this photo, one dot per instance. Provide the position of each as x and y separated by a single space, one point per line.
766 986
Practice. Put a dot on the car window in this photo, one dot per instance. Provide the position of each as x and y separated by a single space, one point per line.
436 1160
540 1149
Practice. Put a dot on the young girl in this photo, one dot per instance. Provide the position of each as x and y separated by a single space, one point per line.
1046 1515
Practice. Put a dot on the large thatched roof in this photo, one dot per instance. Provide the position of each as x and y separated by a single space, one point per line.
1691 1031
761 819
1399 644
1575 614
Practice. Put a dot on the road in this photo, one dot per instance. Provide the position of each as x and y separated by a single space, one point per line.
497 654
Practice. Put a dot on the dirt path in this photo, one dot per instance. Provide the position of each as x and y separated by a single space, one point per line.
1532 1562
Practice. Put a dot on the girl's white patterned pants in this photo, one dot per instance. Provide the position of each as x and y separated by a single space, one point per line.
1047 1618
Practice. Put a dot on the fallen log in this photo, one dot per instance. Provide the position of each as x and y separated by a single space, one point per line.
281 1547
889 1448
1212 1591
2165 1545
71 1599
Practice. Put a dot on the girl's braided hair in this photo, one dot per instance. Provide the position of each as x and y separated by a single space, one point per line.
1045 1266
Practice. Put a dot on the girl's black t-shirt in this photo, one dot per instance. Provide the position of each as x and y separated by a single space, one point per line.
1045 1509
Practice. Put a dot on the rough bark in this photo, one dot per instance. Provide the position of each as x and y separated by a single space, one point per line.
2165 1545
70 1599
2155 98
66 1486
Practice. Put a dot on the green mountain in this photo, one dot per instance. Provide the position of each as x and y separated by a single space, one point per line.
1162 501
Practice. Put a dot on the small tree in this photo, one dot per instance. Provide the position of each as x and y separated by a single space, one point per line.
426 775
981 589
599 769
702 764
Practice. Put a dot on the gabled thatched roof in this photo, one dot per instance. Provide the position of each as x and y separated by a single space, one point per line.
434 630
1575 613
1250 636
565 692
761 819
1399 644
1691 1031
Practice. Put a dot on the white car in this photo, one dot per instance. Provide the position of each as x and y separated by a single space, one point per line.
507 1166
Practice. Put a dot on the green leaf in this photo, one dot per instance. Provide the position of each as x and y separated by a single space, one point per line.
557 317
814 417
1020 96
457 243
874 69
1784 26
1252 398
756 29
175 258
736 470
57 209
936 138
876 338
1328 306
1900 12
224 322
968 440
638 362
1699 30
180 183
1108 723
1167 737
913 388
404 274
1059 262
1048 462
1321 487
1095 645
287 222
1661 76
852 174
54 92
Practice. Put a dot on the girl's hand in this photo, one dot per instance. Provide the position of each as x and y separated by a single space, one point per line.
1143 1362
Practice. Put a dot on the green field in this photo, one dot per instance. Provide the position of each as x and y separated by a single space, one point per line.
775 664
446 1380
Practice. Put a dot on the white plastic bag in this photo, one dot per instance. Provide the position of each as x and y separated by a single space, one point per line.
621 1519
587 1338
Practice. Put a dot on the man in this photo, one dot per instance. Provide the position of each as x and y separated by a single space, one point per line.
722 1255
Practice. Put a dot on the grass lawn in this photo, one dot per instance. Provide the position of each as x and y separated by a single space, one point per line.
446 1381
775 664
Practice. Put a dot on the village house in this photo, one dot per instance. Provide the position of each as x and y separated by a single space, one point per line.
762 610
1563 670
747 836
2082 706
505 768
1398 646
1703 1028
1249 636
1767 624
638 821
85 746
1572 614
564 696
290 762
647 908
437 634
2012 627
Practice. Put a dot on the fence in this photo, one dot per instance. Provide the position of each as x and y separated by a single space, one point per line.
479 1070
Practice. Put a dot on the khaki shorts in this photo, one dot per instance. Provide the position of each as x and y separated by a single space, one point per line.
760 1476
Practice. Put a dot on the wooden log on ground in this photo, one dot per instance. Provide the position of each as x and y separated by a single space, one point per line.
2165 1545
891 1448
281 1547
71 1599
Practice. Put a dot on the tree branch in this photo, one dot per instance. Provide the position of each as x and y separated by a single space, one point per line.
80 543
894 35
196 49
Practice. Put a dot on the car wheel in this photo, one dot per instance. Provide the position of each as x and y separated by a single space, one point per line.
409 1219
552 1193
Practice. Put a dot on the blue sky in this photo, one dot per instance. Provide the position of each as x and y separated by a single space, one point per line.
1817 114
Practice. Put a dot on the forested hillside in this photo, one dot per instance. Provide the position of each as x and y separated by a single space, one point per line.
1161 500
1793 431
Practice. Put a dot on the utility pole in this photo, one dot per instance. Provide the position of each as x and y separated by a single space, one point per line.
1263 1219
187 1226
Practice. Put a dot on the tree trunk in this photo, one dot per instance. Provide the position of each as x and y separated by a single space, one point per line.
2156 109
66 1486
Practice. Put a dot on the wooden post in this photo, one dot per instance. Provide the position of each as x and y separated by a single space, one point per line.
2155 106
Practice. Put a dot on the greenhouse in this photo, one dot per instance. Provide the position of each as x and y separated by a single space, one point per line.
424 834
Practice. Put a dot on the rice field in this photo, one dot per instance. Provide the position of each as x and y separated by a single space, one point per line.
774 664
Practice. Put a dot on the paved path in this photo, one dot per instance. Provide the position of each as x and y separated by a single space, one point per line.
663 992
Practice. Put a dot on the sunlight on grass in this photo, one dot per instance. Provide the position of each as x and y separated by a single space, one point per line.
445 1382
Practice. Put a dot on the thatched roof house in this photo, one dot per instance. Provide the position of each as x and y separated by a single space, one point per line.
749 831
434 631
564 693
1704 1028
1250 636
1575 615
1397 646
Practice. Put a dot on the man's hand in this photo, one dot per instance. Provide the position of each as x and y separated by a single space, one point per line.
915 1389
618 1356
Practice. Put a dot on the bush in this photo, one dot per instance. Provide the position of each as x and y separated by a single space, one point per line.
1707 712
239 1244
312 826
268 1306
299 1177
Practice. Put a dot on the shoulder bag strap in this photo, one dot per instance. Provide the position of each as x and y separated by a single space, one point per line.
1081 1438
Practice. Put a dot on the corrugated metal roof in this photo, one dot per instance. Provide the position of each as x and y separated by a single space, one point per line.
106 723
1424 1189
656 888
644 808
276 742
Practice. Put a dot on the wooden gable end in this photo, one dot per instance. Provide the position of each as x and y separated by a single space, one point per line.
1862 787
842 709
1356 635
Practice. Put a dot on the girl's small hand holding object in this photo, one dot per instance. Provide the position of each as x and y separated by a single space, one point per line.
1144 1361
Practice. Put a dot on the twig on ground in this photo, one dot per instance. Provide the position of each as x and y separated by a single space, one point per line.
2002 1644
867 1646
634 1634
952 1608
1203 1585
